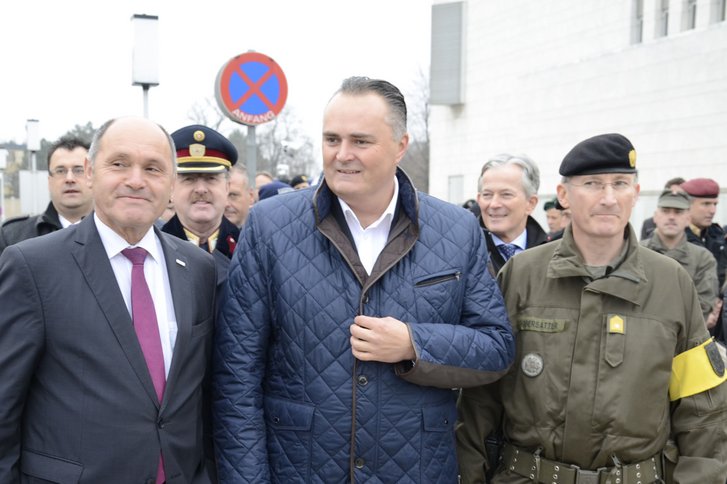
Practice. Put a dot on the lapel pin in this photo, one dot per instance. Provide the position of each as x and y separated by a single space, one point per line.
181 263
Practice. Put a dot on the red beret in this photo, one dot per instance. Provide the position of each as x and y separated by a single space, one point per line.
701 188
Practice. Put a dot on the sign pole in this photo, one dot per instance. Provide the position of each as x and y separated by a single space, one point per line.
251 152
251 89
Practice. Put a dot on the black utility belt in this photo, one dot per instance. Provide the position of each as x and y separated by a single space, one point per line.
539 469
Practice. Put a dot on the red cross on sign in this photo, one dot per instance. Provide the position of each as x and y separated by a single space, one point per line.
251 89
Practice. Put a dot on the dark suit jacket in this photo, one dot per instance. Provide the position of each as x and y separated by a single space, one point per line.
536 236
28 226
76 399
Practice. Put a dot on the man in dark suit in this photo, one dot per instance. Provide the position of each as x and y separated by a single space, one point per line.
70 195
102 352
507 195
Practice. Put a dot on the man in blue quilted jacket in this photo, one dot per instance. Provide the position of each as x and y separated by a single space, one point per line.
352 312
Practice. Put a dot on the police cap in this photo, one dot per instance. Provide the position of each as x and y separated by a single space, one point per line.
203 150
605 153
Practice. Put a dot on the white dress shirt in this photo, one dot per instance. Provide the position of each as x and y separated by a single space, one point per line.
157 278
65 222
370 241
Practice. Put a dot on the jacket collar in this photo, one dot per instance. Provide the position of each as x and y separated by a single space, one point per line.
49 217
324 198
678 253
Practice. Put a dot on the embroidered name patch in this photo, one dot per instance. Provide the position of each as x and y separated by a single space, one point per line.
541 325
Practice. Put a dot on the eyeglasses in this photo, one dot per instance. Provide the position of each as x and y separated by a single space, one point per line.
595 186
62 171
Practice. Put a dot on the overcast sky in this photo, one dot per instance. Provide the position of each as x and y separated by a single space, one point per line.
67 63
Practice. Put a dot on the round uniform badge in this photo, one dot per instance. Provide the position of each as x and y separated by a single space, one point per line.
532 364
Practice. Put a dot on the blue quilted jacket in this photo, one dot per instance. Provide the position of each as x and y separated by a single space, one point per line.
291 402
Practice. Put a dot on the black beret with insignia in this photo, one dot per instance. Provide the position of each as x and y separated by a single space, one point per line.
605 153
203 150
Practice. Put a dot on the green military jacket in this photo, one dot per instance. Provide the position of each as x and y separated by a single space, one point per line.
584 389
699 263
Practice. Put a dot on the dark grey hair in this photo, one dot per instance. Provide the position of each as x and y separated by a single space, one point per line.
67 142
390 93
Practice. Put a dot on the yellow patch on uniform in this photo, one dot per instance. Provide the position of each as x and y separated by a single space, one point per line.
697 370
616 324
632 158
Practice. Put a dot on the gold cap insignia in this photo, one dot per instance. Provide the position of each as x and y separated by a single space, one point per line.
616 325
198 135
197 150
632 158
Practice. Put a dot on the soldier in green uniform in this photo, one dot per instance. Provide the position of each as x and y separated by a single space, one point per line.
616 379
671 218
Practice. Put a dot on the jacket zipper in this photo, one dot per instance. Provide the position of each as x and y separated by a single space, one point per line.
439 279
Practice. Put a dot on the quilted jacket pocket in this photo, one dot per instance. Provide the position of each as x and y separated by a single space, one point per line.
282 414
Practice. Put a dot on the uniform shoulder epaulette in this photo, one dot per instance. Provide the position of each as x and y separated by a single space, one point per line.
15 219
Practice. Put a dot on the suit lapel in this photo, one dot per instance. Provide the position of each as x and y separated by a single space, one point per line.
182 290
91 257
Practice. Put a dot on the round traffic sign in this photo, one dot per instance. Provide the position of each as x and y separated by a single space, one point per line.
251 89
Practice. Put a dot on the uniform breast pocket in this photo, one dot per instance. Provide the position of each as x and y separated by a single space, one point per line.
633 374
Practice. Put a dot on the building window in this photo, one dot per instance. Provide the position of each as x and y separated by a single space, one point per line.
455 189
637 21
446 78
689 15
662 18
717 11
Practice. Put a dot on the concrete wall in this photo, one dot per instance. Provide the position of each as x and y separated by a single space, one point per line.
542 76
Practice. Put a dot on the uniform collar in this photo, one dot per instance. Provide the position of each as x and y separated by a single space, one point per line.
624 281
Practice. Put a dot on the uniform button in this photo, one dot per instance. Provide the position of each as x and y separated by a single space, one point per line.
161 423
359 463
362 380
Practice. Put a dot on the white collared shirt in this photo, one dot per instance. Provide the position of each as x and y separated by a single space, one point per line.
521 241
370 241
65 222
157 278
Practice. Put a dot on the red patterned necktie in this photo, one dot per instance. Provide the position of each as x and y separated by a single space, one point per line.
146 327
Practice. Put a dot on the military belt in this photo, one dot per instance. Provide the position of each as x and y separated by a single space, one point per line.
545 471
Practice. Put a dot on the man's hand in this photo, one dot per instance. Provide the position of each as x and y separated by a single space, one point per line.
714 315
381 339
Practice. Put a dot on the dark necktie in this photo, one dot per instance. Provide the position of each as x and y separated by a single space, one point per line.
507 250
146 327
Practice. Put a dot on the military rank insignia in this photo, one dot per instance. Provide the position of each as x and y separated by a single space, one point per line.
616 324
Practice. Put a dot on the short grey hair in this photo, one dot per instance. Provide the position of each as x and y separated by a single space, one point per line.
391 95
531 172
101 132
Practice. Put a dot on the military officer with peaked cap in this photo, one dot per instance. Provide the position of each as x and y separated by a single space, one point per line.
204 158
616 378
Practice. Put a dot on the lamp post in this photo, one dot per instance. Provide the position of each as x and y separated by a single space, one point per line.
145 55
32 143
